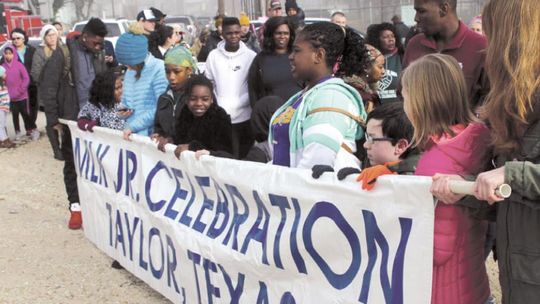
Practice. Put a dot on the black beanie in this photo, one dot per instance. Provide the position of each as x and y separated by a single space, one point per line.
291 4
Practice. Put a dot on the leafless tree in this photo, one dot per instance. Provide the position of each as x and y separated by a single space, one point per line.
83 8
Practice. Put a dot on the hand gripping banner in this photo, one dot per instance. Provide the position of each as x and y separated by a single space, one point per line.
224 231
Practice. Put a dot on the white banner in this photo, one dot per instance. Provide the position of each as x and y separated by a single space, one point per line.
225 231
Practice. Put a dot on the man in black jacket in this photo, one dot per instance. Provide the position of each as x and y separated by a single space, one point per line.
65 91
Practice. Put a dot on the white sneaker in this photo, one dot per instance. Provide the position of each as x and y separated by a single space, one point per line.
18 135
34 135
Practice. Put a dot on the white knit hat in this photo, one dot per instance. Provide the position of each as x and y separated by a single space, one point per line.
44 32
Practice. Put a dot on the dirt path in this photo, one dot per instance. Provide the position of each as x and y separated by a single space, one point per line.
41 260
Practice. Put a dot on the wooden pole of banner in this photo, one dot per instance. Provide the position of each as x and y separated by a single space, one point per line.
467 188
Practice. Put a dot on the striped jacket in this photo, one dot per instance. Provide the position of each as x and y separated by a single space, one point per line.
319 138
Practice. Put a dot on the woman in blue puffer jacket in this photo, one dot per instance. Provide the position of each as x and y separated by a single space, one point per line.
144 81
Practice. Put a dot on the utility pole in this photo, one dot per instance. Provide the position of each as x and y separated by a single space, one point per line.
221 7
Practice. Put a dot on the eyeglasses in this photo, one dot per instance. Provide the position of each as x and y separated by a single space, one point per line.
16 38
371 140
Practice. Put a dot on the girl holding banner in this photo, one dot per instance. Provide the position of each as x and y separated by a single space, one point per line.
513 110
319 125
453 141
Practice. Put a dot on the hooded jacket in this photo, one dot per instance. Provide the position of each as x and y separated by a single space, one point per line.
229 73
318 139
459 272
17 78
141 95
167 112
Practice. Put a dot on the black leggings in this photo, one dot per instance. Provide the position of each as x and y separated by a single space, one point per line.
21 107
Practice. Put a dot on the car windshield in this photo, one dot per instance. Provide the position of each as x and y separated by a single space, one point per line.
113 30
183 20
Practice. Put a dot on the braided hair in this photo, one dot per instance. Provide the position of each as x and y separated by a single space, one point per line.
343 47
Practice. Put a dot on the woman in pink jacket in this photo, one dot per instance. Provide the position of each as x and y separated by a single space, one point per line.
453 142
17 81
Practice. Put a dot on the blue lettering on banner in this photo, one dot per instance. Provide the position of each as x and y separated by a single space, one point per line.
131 171
126 175
222 209
101 153
171 264
131 233
87 163
297 257
262 298
325 209
154 206
185 218
164 263
109 210
196 259
142 263
256 233
374 236
208 204
211 290
235 292
119 172
119 233
287 298
179 194
282 203
238 218
156 272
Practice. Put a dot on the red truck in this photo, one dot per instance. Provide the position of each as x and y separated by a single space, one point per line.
12 15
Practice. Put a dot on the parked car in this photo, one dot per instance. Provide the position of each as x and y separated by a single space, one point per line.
115 28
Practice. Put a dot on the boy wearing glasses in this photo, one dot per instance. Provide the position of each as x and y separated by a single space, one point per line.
388 134
388 144
387 147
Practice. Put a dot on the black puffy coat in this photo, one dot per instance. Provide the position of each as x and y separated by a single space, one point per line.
212 131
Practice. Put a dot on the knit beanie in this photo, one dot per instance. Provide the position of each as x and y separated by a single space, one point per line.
291 4
132 47
45 30
179 55
244 19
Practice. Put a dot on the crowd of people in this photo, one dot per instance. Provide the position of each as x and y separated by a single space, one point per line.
441 99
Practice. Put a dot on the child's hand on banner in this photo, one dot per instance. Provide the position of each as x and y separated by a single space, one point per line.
369 176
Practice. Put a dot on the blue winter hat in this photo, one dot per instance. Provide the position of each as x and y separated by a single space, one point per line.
131 49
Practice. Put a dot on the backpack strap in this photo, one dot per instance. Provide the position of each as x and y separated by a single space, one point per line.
358 119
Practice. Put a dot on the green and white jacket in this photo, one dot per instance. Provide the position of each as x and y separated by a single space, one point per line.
319 133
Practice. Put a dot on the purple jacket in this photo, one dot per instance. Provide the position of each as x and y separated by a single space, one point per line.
17 79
